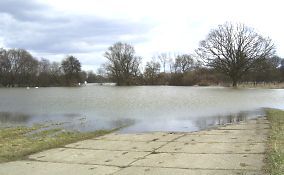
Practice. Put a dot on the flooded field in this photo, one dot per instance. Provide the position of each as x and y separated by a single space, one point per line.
141 108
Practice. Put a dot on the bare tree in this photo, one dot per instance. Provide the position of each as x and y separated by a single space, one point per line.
44 65
183 63
17 67
235 50
165 59
44 72
151 72
123 65
102 70
56 74
72 69
5 68
267 71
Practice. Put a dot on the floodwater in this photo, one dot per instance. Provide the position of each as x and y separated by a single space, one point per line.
142 108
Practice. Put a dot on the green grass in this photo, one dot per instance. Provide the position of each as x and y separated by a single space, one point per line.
18 142
275 149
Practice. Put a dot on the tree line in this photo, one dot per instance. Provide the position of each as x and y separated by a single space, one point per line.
19 68
229 54
183 70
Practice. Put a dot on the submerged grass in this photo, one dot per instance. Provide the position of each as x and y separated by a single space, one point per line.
275 150
18 142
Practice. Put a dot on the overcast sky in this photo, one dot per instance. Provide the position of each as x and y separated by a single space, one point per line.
86 28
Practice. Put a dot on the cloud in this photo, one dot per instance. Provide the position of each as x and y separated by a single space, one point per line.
21 10
33 26
86 28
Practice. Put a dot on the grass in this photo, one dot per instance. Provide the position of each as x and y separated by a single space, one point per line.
262 85
18 142
275 149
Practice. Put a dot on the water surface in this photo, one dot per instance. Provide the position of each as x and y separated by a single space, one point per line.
145 108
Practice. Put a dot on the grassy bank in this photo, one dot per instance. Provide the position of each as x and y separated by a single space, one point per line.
262 85
275 150
18 142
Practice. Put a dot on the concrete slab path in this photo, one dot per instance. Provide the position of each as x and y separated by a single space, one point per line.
235 149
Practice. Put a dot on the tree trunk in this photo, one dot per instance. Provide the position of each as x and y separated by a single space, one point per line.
235 83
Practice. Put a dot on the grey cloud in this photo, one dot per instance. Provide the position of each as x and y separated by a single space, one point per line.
25 24
22 9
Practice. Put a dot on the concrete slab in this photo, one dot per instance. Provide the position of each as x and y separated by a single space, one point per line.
222 138
176 171
232 149
117 145
49 168
203 161
90 157
142 137
207 148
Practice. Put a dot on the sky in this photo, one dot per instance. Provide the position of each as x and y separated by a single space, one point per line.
53 29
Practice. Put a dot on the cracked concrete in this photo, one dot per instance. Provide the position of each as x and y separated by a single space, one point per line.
117 145
233 149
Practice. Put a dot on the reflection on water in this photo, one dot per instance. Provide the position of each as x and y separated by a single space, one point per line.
16 118
67 121
79 123
192 124
150 108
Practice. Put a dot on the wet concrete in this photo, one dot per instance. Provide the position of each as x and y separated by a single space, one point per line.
232 149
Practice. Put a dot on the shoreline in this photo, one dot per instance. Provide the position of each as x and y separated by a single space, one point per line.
253 146
260 85
18 142
237 148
